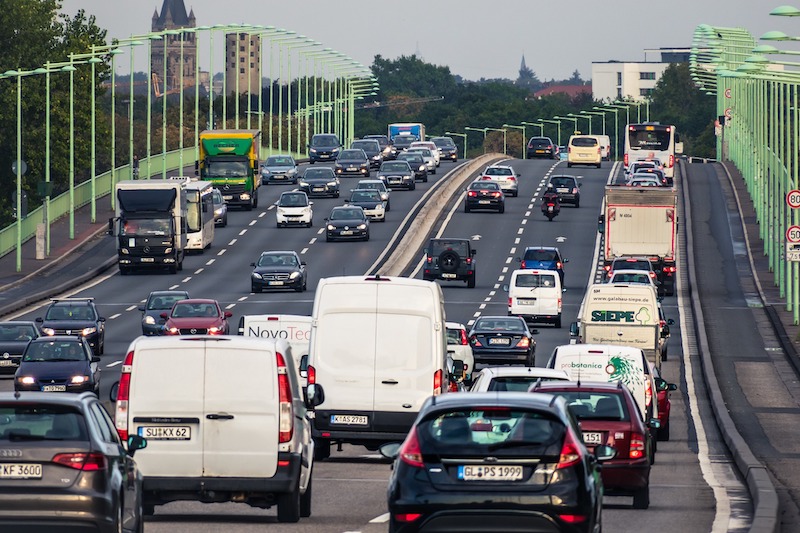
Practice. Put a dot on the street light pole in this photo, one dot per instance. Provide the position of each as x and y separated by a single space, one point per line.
556 122
523 137
579 116
464 135
505 148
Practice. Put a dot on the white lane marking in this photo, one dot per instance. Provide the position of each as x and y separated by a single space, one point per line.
187 278
496 286
221 252
527 213
509 259
230 306
243 298
520 231
271 207
115 363
210 262
487 299
242 232
469 324
504 271
304 250
492 293
312 241
131 308
112 317
524 221
380 519
174 287
199 270
262 214
252 223
513 250
321 231
476 315
482 306
517 240
232 242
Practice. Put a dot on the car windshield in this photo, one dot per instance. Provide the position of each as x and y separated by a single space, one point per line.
596 405
324 140
491 429
584 142
40 421
382 140
70 312
352 154
164 301
277 260
279 161
411 158
443 142
372 186
499 324
540 142
227 169
562 182
54 351
366 146
365 196
460 247
17 332
293 200
145 226
541 255
189 310
630 278
395 166
346 214
216 197
632 264
319 173
484 186
424 152
536 280
497 171
515 383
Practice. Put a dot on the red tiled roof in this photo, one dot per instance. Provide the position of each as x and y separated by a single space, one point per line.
570 90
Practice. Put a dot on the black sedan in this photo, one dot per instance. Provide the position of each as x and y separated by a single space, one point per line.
417 164
75 316
502 340
371 202
157 303
347 223
495 462
14 337
64 466
484 194
352 163
278 270
397 174
320 181
58 364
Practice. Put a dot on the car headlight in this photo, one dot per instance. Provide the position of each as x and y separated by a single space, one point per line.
294 275
313 150
291 171
256 275
422 167
124 251
307 210
78 380
302 183
265 172
214 330
218 211
172 331
331 227
48 331
149 320
88 331
332 184
26 380
362 226
168 251
384 196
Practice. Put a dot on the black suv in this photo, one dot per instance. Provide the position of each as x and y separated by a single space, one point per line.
568 189
450 260
323 147
542 147
77 317
65 466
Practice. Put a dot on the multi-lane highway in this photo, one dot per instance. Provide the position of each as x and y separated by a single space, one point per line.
693 487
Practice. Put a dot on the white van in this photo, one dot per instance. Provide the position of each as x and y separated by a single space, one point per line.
609 363
224 421
378 351
535 295
295 329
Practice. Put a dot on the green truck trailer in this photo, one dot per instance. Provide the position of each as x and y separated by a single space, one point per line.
229 160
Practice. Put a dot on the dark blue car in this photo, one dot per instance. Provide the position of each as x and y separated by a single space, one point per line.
544 258
58 363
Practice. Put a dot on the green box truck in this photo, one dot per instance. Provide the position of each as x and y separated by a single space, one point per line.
229 160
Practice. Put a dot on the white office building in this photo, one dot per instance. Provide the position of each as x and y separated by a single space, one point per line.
616 80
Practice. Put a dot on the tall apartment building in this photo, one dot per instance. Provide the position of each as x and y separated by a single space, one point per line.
173 16
242 60
615 80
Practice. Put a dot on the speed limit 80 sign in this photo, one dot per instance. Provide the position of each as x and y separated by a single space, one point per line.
793 199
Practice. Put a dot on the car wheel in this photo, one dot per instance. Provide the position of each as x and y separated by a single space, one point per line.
305 500
140 517
310 161
118 523
577 203
414 186
569 165
367 237
289 505
466 208
225 220
425 179
599 165
310 223
641 498
663 432
322 449
123 271
502 209
328 239
388 206
255 289
471 282
173 269
530 360
432 172
101 347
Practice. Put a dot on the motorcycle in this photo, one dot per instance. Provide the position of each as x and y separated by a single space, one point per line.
550 206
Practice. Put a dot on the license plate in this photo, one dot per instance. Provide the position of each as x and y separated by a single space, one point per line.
324 156
490 472
6 362
593 438
54 388
318 189
346 232
274 283
166 432
20 471
350 420
148 260
227 197
484 202
540 151
526 301
449 276
499 340
351 169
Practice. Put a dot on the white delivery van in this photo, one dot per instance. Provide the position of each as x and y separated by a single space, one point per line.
605 146
295 329
620 314
378 351
608 363
535 295
224 420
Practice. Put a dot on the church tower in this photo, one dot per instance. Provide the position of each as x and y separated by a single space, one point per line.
173 16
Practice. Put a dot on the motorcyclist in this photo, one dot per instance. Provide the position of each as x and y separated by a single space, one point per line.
551 198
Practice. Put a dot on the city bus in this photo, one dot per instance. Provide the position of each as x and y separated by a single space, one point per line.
199 214
652 140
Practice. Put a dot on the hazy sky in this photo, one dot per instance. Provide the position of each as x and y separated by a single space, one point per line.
475 38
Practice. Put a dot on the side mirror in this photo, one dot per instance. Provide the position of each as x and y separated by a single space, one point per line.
604 453
672 386
114 392
459 370
473 252
110 230
505 287
304 366
302 263
136 442
141 308
654 423
39 319
252 264
95 359
390 450
670 321
566 260
228 314
601 223
573 329
315 396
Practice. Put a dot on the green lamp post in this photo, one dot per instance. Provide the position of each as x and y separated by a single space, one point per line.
589 118
482 130
549 121
505 147
574 121
524 137
463 135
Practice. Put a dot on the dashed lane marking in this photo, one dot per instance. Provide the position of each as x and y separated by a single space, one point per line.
115 363
210 262
174 287
304 250
242 232
252 223
221 252
232 242
230 306
243 298
187 278
131 308
199 270
112 317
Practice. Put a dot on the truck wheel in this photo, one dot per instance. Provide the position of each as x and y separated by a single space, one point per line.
558 322
305 500
289 505
569 165
322 449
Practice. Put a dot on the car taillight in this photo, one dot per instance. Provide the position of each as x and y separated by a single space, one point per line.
512 178
569 149
464 339
429 260
671 161
570 452
88 462
637 446
123 394
510 300
549 146
437 382
652 274
598 150
406 517
472 193
285 407
625 160
524 342
410 452
669 269
648 393
573 518
468 260
496 194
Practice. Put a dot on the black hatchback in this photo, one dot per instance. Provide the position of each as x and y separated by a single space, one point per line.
63 466
157 303
58 364
78 317
495 462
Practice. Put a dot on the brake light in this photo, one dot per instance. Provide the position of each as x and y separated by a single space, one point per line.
429 260
652 274
87 462
648 393
311 375
475 341
437 382
524 342
496 194
569 149
637 446
285 407
573 518
410 452
468 260
607 268
510 300
625 159
671 161
570 452
512 178
669 269
123 394
472 193
464 340
549 146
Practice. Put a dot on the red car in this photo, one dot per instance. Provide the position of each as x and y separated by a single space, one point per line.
664 405
196 317
608 415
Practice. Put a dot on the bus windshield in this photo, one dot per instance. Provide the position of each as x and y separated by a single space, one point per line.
657 139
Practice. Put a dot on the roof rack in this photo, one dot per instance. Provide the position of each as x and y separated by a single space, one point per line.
87 299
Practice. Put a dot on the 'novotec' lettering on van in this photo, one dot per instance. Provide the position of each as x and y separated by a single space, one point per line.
291 333
642 316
